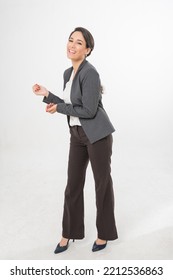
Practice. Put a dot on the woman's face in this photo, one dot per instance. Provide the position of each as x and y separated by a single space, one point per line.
76 47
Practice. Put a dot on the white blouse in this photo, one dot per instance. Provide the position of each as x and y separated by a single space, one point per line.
67 100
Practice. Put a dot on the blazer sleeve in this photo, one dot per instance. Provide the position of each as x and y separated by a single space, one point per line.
52 99
90 87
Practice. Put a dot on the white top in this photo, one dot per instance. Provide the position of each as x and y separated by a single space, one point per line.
67 100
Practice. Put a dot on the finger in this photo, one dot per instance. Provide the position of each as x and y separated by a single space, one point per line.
36 85
51 110
36 88
50 105
48 110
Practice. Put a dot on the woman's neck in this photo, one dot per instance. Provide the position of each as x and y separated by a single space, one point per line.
76 65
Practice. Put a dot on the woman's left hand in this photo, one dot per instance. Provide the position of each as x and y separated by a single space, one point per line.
51 108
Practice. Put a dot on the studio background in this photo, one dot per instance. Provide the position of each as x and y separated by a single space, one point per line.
133 54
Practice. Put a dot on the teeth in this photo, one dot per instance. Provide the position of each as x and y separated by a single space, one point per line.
71 51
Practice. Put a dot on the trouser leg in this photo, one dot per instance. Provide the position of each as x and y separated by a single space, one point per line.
73 217
100 156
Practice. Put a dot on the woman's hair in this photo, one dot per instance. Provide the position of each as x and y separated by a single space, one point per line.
87 36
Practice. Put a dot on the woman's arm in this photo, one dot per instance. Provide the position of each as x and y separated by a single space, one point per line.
52 99
48 96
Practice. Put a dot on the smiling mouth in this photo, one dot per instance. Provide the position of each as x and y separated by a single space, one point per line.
72 52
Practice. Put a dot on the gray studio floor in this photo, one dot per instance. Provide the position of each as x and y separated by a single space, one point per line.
31 201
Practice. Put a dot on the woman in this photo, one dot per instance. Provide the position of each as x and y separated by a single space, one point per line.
91 140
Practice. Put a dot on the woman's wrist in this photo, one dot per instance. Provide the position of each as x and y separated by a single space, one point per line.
46 94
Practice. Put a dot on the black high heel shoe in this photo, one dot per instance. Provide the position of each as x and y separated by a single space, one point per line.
97 247
60 249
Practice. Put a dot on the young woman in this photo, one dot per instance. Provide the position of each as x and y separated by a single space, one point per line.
91 140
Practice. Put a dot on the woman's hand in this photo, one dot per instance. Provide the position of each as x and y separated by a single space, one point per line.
40 90
51 108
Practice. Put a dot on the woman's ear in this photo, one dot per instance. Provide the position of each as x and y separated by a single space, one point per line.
88 52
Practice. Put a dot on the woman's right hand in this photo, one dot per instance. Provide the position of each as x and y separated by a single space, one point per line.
40 90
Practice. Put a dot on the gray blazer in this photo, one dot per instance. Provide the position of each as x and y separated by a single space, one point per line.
86 102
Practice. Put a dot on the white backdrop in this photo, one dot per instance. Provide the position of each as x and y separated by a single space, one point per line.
133 54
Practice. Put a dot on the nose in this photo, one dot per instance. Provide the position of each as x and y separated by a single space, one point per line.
72 45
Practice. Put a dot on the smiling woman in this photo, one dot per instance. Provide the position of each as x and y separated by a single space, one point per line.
77 39
91 140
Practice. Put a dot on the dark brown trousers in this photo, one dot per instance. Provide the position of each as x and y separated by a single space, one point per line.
99 154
